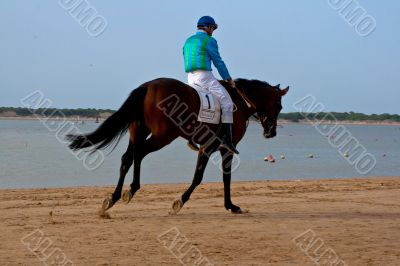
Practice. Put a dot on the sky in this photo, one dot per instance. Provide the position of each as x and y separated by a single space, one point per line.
304 44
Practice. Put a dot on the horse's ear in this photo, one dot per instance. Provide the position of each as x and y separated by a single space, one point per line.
284 91
278 86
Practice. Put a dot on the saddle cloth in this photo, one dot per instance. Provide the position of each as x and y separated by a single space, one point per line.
210 108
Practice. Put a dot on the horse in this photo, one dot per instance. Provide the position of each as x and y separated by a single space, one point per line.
161 110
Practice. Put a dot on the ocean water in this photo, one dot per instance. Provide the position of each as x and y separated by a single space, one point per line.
31 156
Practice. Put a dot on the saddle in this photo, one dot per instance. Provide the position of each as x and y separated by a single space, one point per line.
210 108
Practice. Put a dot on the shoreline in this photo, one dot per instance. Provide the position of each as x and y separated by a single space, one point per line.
280 121
238 182
356 220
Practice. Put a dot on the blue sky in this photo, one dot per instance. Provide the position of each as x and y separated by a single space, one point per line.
305 44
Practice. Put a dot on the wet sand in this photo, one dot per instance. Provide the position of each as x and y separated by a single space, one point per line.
354 221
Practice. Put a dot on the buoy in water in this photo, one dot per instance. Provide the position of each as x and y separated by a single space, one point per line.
269 158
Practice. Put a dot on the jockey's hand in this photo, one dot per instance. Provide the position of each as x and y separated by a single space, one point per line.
231 83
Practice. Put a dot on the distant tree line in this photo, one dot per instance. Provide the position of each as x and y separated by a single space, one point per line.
294 117
351 116
88 112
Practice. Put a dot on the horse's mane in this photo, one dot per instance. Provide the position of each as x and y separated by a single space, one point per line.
252 82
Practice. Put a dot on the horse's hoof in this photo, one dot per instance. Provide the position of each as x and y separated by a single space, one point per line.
177 206
235 209
107 203
127 196
238 211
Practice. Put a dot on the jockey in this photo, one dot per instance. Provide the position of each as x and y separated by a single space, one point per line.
199 50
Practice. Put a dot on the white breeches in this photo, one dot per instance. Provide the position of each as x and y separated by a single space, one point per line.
206 80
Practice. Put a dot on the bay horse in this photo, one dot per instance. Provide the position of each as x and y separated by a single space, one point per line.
161 110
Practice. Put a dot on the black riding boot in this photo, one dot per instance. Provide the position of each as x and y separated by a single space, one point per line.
227 138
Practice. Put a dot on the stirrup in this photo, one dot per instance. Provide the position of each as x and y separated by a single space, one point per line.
193 146
230 148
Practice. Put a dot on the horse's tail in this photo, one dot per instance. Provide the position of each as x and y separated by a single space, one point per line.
114 127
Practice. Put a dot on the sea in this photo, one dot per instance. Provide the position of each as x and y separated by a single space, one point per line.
34 155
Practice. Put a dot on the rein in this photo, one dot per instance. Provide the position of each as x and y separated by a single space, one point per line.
246 99
249 104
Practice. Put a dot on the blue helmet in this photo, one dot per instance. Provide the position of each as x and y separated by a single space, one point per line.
207 21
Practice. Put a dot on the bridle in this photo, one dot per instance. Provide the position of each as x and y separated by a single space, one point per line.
263 119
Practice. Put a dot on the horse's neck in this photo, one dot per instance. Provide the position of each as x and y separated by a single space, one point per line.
244 103
239 100
249 107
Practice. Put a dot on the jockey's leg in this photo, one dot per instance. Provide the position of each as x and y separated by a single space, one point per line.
227 113
206 80
196 79
227 138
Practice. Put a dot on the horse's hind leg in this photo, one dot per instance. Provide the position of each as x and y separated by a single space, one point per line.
140 150
135 185
138 134
126 162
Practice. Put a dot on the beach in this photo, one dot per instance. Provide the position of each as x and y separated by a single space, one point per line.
351 221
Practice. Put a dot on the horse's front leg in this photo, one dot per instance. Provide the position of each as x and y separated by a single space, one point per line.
202 160
227 158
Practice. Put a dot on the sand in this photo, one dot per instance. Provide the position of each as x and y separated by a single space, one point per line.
354 221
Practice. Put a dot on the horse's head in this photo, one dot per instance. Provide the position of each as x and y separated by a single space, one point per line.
267 101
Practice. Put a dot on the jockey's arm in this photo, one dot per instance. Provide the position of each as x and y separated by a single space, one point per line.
212 50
